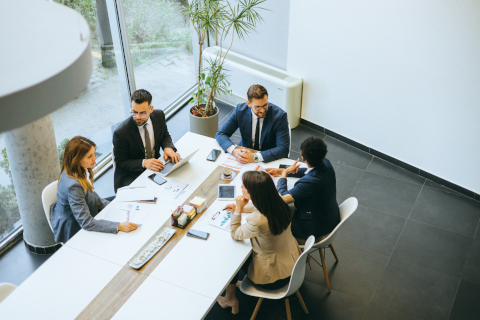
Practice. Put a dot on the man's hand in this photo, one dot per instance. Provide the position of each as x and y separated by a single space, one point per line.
168 153
292 169
243 155
274 172
153 164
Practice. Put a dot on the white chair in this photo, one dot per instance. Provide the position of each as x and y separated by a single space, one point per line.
6 289
49 197
296 281
346 209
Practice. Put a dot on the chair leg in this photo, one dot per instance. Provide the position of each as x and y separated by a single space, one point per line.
333 251
301 301
259 303
287 305
325 270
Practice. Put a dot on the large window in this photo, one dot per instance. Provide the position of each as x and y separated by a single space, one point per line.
134 44
161 48
9 214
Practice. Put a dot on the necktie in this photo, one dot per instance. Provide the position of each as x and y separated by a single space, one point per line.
148 145
256 144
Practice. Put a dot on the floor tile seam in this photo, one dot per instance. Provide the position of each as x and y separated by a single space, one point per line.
428 268
389 213
437 227
416 184
388 307
476 230
347 294
363 248
310 129
393 250
380 174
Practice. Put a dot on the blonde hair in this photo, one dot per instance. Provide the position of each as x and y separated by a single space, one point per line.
74 152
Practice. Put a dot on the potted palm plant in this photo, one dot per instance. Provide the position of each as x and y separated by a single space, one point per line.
221 21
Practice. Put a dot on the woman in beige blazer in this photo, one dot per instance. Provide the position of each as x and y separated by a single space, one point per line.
275 250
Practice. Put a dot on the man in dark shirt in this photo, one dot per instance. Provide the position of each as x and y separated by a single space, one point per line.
314 194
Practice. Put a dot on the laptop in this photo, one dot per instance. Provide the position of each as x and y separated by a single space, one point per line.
170 166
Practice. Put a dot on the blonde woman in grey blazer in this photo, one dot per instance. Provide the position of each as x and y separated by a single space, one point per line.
77 204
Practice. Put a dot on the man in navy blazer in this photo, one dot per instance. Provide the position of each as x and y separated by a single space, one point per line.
314 194
263 127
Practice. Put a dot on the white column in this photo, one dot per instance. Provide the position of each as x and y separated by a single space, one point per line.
33 159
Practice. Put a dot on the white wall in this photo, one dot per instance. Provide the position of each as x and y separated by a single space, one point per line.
400 76
270 43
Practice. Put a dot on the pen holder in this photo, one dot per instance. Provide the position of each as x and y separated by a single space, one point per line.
174 220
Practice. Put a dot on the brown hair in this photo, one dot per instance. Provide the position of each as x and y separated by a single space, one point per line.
74 152
140 96
256 92
266 199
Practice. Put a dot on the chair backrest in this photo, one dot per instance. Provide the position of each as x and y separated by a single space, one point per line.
346 209
6 289
290 135
49 197
298 273
113 158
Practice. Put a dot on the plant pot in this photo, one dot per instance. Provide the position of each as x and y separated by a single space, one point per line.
207 126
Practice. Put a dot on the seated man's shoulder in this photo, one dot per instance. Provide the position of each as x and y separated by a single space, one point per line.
158 113
242 107
276 110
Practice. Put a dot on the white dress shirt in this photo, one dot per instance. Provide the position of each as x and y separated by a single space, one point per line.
255 118
150 133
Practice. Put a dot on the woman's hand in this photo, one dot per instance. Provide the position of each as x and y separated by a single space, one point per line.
292 169
231 207
240 203
274 172
127 226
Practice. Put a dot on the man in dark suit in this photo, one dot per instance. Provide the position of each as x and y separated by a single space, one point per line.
263 127
137 141
315 194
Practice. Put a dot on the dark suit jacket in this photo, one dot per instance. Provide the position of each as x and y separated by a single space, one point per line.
315 196
75 210
275 137
129 150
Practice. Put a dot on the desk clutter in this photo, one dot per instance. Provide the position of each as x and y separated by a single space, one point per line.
182 215
150 248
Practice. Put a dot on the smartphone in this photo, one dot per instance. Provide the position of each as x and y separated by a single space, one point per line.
214 155
198 234
157 179
283 166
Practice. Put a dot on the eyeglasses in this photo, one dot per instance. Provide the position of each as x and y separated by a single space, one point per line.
257 108
136 114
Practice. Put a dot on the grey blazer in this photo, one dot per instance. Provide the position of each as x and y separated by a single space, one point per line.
75 210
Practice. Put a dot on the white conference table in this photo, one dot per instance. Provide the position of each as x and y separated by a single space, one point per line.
197 270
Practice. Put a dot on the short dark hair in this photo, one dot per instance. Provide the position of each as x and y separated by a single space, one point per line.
266 199
256 92
314 151
140 96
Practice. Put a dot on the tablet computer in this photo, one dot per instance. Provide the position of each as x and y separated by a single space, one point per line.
226 192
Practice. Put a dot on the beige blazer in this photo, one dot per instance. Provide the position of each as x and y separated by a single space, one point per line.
273 257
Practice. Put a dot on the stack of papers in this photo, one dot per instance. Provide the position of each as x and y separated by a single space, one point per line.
140 193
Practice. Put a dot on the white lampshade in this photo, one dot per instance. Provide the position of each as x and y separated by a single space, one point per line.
45 59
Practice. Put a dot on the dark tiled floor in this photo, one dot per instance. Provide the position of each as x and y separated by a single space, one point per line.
410 251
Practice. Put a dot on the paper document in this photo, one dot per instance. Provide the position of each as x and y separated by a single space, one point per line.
221 219
231 162
132 212
172 191
135 193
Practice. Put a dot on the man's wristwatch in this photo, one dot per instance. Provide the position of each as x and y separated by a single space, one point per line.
255 158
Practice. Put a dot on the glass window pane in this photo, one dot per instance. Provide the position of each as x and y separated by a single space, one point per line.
9 213
99 108
160 47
